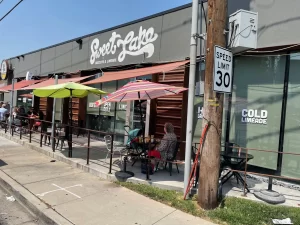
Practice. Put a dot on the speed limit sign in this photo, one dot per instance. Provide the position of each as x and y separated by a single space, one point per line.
222 70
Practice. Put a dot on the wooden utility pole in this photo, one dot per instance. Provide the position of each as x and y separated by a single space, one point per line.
213 108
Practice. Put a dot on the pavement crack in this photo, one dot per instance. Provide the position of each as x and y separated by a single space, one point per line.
164 216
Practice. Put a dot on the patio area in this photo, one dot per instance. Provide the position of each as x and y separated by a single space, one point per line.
161 178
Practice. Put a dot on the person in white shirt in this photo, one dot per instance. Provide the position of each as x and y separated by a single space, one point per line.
3 111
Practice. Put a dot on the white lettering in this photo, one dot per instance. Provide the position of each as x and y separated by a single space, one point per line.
92 105
264 114
249 120
251 113
130 45
244 113
264 121
254 116
122 107
106 107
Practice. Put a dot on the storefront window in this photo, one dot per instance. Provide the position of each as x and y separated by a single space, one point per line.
135 110
58 109
291 163
112 117
24 99
198 103
199 109
256 106
107 110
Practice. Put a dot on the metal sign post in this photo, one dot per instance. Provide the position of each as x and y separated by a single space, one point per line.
53 118
11 104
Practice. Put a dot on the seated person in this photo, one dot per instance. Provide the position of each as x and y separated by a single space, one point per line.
16 121
32 115
38 122
167 145
21 115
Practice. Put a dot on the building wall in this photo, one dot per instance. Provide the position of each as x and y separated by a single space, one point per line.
277 22
168 40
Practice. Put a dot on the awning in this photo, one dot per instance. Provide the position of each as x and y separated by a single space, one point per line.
19 85
52 82
26 95
126 74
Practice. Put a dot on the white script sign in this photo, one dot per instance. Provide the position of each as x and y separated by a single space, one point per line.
254 116
104 108
132 44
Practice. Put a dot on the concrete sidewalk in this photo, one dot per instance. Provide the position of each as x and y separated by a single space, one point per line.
65 195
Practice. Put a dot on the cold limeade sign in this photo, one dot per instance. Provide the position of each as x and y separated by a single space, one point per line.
255 116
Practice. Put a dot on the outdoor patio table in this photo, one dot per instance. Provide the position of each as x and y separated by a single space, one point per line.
238 164
144 148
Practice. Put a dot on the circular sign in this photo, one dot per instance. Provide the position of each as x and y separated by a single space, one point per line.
4 67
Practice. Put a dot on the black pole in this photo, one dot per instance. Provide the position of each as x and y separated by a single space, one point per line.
70 127
270 183
115 112
99 118
21 131
88 150
283 114
143 134
29 135
111 153
228 115
41 136
53 138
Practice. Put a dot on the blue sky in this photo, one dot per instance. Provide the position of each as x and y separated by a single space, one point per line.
36 24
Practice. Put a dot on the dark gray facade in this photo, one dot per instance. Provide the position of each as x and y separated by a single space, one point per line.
158 38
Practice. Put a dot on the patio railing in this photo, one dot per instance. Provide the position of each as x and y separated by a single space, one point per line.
42 134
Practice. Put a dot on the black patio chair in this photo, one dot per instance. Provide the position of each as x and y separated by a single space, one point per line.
172 160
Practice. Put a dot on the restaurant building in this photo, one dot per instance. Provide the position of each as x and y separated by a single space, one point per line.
262 112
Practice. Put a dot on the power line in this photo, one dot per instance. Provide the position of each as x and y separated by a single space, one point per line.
10 10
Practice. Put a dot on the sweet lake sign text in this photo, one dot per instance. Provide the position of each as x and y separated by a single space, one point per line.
117 47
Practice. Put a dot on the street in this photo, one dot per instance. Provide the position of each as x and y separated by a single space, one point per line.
13 213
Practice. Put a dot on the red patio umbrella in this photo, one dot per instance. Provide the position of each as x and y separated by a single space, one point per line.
140 90
3 91
26 95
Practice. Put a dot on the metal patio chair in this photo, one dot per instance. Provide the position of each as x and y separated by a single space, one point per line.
118 149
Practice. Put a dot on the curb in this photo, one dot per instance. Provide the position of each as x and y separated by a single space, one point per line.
87 168
36 206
